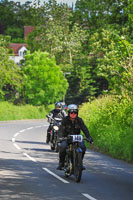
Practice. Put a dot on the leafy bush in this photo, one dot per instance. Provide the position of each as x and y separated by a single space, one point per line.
110 123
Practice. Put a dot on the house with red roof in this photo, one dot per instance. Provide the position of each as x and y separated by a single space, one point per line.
19 49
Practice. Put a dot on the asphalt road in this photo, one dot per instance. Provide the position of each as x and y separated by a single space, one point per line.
28 169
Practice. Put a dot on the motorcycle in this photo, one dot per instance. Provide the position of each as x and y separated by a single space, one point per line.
55 123
73 160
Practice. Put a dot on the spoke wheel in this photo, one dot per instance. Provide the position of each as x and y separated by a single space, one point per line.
78 167
67 166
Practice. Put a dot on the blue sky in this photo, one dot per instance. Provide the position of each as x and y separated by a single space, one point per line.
69 2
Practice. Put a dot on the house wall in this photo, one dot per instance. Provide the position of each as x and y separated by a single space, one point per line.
16 59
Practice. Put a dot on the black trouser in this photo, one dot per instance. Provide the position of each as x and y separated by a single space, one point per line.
48 131
63 147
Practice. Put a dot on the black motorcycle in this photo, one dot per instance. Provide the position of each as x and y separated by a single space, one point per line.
73 160
55 123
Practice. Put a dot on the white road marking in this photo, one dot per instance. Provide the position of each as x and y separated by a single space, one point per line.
38 126
16 134
16 146
56 176
22 131
47 170
13 139
88 196
29 128
29 157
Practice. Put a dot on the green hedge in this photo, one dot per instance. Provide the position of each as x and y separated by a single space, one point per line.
9 111
110 121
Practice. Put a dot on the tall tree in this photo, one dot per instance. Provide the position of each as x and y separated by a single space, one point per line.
44 81
114 61
94 14
82 85
14 16
55 33
10 75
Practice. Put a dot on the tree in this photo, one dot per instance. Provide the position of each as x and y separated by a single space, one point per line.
15 16
10 74
114 62
82 85
91 13
97 13
55 33
43 79
100 19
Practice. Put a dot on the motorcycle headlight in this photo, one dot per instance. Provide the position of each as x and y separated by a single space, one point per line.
56 128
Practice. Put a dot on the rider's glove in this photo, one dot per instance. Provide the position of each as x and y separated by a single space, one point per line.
90 140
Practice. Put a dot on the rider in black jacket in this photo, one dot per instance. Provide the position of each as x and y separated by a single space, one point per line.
58 113
71 125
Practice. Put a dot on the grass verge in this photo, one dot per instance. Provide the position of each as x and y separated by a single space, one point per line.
8 111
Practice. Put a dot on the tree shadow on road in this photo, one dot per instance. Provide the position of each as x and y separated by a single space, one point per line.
25 180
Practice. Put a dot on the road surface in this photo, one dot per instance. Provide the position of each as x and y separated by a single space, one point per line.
28 169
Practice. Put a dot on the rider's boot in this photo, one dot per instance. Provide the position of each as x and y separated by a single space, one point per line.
61 163
60 166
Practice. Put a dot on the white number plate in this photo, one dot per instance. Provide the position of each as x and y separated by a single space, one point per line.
77 138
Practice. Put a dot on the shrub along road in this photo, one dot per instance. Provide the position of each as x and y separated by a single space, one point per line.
28 169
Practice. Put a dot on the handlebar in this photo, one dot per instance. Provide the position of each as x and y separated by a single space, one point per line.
89 140
55 120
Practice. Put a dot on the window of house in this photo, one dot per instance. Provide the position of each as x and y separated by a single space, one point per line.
21 53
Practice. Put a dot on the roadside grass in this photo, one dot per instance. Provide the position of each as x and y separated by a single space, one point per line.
110 122
8 111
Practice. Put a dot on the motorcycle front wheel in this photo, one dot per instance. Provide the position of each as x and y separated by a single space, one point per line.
78 166
52 145
68 166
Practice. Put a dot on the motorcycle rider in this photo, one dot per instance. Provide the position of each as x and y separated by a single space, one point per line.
58 113
71 125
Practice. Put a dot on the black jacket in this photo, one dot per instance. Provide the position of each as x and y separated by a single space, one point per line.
73 128
57 113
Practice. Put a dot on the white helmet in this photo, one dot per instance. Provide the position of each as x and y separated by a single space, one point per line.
73 108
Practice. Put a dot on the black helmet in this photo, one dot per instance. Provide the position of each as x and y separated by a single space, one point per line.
73 108
58 105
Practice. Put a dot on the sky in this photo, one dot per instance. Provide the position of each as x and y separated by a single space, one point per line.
69 2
